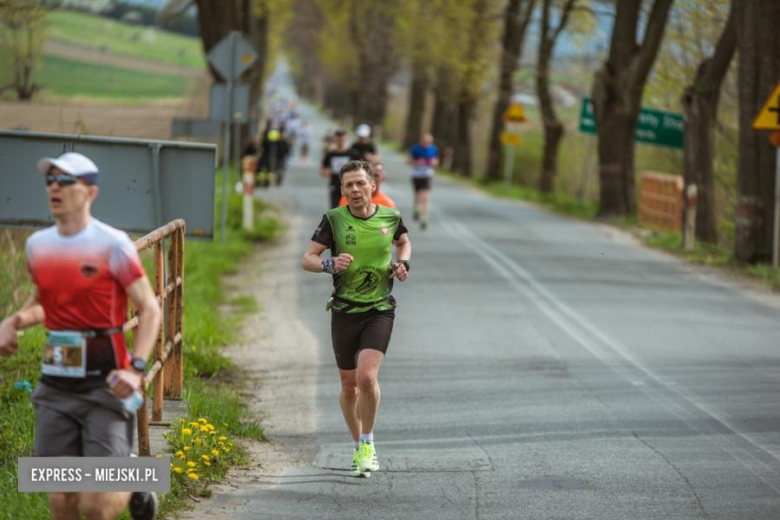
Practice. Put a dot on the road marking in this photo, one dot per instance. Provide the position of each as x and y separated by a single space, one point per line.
595 341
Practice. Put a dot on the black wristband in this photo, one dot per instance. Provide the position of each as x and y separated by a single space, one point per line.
328 266
406 264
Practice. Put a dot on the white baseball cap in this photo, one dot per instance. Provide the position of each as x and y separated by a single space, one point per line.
73 163
363 130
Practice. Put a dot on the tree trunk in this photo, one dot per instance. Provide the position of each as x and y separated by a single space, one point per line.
617 94
462 159
511 50
759 68
700 108
445 112
416 112
553 128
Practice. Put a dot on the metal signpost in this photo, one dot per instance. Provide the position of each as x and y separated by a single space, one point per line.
511 138
230 57
653 126
768 118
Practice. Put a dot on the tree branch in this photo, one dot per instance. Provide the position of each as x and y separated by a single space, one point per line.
656 24
724 49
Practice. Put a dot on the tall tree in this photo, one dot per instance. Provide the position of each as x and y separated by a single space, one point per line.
22 34
758 43
517 16
473 71
553 128
617 95
700 109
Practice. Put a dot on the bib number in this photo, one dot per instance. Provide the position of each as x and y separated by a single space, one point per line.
65 354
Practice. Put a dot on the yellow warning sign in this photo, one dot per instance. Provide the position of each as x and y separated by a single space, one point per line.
511 139
515 113
769 116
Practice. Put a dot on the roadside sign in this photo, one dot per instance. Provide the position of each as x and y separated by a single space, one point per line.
653 126
511 139
515 113
232 56
240 102
768 117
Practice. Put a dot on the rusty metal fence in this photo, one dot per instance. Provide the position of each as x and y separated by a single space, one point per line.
167 371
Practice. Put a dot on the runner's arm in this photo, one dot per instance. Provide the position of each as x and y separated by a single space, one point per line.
31 313
403 252
313 263
149 315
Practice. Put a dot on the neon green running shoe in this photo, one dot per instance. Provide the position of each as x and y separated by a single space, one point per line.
367 461
355 470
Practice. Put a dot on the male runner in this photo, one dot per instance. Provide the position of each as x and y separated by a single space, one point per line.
332 162
360 237
84 271
423 157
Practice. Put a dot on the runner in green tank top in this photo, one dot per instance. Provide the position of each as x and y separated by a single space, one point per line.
361 237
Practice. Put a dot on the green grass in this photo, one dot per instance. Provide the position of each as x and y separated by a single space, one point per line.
70 78
208 373
103 33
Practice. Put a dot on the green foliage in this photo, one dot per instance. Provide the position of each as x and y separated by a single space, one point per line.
104 34
68 78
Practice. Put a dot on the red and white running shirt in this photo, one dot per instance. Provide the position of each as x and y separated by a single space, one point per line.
81 279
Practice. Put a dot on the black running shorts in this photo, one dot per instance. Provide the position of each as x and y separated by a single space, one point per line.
421 183
357 331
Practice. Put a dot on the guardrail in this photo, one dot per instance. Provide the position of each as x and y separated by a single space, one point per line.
661 201
167 371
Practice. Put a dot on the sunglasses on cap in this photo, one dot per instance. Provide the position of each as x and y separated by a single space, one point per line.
63 179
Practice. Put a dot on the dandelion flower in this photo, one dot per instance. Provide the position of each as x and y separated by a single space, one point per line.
193 476
190 464
222 438
215 452
203 420
177 469
179 453
186 448
187 431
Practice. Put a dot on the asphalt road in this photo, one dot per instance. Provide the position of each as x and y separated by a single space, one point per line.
543 368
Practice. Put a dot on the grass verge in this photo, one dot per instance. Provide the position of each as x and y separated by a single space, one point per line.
209 393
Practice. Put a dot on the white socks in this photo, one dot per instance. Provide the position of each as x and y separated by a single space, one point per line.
367 437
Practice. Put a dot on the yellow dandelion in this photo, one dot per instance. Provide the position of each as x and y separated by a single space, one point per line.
204 457
210 427
187 431
179 453
203 420
197 441
212 433
215 452
181 420
193 476
222 438
193 348
186 448
177 469
207 463
190 464
194 424
171 465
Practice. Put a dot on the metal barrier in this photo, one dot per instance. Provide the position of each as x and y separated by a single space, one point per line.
661 201
167 371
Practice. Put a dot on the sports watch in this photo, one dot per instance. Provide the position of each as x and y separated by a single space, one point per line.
406 264
138 364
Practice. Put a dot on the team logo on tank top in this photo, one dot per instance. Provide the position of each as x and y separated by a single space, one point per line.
385 230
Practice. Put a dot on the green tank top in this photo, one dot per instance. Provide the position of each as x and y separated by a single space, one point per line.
366 284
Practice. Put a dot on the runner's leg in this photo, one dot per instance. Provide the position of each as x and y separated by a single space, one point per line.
369 362
349 401
103 506
64 506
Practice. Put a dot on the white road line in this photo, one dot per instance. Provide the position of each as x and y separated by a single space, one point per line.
584 333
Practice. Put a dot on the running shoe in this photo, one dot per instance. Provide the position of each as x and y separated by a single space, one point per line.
355 470
143 505
368 461
416 214
424 224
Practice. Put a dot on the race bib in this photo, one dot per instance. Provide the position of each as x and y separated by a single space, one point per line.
65 354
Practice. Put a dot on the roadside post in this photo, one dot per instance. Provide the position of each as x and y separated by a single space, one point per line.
230 58
768 118
511 138
689 237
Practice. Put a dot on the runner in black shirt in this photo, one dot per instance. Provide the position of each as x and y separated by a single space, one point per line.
364 146
332 163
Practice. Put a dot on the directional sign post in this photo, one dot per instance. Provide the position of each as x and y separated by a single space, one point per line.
511 138
230 57
768 118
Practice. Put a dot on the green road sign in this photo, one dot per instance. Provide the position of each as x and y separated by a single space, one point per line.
653 127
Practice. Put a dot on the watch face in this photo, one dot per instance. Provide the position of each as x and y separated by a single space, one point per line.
138 364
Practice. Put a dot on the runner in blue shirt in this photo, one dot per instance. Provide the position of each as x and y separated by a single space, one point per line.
423 158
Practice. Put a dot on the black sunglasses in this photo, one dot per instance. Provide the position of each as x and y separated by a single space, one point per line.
63 179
